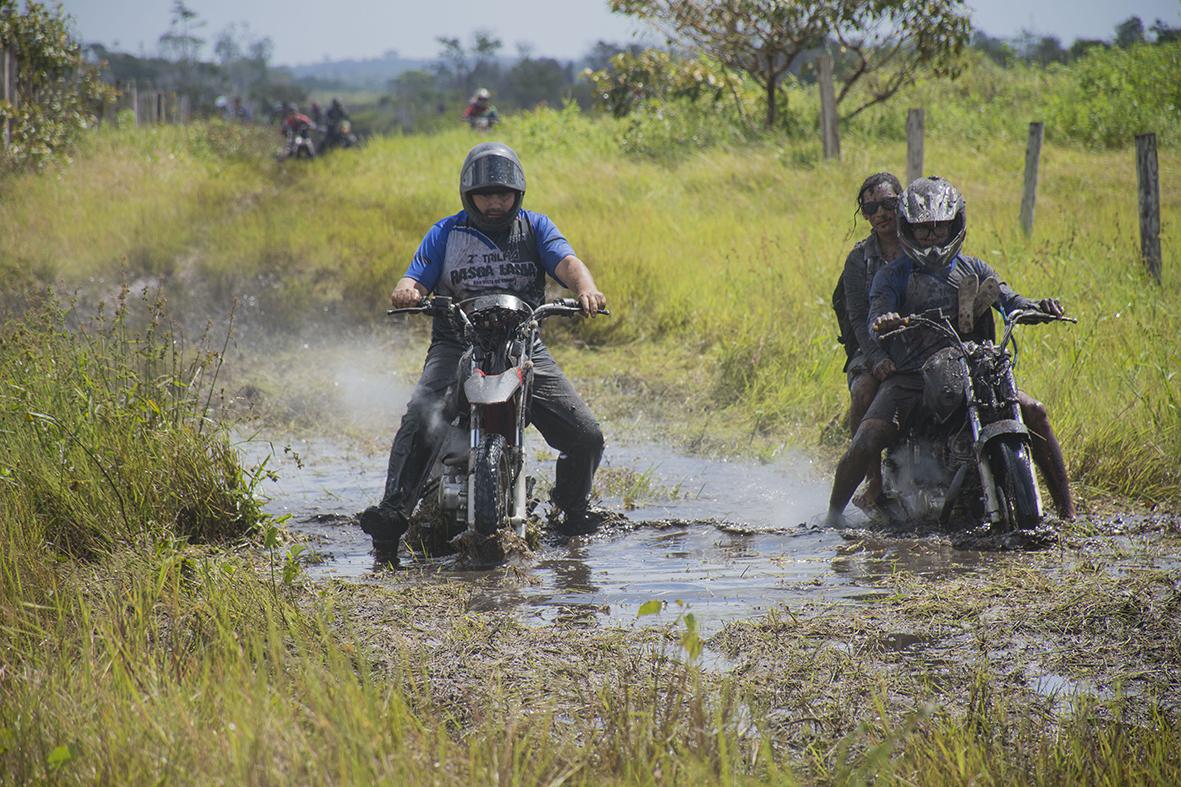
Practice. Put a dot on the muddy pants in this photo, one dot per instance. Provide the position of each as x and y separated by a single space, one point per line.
555 408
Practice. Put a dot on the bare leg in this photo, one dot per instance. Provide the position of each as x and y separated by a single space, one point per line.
860 397
872 436
1047 453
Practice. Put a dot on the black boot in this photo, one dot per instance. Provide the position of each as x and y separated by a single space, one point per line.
385 526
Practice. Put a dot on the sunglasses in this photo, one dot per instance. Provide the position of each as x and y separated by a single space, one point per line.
870 208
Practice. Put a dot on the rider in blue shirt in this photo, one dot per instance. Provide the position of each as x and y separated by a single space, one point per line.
492 245
932 226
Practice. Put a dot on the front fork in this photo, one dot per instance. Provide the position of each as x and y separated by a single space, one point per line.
992 504
519 514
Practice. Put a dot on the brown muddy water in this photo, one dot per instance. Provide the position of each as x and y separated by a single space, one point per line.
729 539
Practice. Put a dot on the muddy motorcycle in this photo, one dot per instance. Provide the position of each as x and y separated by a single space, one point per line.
476 484
969 460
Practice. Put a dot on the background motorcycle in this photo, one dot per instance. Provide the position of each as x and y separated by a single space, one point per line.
299 143
969 458
476 484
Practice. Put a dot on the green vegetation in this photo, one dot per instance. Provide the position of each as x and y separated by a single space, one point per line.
156 626
718 259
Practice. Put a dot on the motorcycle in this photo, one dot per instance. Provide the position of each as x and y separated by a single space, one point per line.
300 143
476 484
339 136
970 459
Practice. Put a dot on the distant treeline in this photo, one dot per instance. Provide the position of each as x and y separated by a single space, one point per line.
390 93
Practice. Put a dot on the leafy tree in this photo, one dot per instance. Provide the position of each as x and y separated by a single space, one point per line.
997 49
59 92
531 82
1130 32
466 68
181 42
631 79
883 42
1083 45
1164 32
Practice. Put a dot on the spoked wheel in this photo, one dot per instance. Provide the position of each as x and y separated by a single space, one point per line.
494 483
1015 483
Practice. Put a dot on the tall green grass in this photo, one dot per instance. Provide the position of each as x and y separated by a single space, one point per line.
718 261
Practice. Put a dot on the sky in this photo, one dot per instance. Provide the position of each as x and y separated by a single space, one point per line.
307 32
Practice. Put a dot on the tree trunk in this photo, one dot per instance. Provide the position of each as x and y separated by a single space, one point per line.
771 101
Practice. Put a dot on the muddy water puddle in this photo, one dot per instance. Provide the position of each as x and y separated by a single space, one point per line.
727 539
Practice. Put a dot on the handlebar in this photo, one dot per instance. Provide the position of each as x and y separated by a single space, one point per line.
443 305
562 306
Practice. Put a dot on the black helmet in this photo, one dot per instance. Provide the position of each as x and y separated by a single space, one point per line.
491 166
926 200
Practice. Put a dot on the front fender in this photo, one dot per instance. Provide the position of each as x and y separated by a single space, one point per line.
481 388
999 429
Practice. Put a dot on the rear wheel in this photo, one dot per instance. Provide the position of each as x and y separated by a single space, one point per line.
1015 483
494 483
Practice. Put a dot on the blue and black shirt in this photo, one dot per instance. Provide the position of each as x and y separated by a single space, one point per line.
906 287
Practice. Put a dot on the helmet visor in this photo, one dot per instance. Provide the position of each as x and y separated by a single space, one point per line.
491 173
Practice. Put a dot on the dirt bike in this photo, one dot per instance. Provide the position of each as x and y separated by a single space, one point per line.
476 484
299 143
339 136
968 457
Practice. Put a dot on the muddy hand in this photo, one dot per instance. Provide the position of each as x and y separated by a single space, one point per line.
887 322
405 297
1051 306
883 369
591 301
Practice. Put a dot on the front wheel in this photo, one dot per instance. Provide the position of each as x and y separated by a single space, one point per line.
494 483
1015 484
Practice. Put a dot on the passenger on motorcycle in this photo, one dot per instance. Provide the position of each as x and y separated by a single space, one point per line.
492 245
867 364
932 224
480 113
337 127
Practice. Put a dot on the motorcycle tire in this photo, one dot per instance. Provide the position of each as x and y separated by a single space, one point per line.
1012 468
494 483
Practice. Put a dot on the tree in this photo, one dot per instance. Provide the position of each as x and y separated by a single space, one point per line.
1130 32
1164 32
244 60
181 42
883 42
467 67
58 91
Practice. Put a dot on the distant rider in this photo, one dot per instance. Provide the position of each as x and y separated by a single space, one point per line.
867 364
480 112
296 124
932 224
333 131
491 246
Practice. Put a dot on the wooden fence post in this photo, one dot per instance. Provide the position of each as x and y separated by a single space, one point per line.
915 121
186 109
829 122
1148 178
8 88
1033 151
133 99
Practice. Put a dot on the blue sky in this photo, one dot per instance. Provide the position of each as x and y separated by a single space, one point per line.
305 31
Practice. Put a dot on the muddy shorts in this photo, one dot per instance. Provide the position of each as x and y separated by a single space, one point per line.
897 399
857 366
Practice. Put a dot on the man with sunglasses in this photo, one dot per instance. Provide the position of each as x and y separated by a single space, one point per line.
932 224
492 245
867 363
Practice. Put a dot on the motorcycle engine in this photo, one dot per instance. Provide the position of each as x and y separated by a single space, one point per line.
453 494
